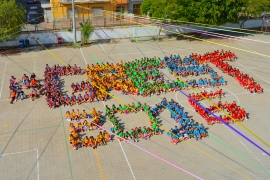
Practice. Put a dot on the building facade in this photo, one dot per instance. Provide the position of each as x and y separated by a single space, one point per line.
134 6
62 9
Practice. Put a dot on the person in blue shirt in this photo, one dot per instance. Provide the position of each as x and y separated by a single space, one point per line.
221 81
20 95
197 134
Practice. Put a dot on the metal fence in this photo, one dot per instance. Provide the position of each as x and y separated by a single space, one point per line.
66 23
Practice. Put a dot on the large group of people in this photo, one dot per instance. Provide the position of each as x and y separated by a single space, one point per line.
187 129
16 88
236 114
219 58
137 132
86 122
139 77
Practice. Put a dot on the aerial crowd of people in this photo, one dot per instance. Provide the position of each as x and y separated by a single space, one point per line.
139 77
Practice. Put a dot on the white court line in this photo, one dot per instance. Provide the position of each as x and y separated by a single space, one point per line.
37 164
3 80
233 95
34 69
181 103
102 48
245 146
20 152
127 160
124 153
83 56
131 53
254 73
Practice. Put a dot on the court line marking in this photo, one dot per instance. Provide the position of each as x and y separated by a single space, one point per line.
233 95
251 152
124 153
181 103
83 56
3 80
34 69
253 72
20 152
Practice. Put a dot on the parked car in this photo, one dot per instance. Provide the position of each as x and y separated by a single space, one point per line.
33 17
32 1
33 9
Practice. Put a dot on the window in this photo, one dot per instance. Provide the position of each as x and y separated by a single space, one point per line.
136 9
69 13
97 11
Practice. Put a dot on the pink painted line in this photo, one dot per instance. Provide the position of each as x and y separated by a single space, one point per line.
160 158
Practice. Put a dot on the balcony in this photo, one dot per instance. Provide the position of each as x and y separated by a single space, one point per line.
84 1
120 2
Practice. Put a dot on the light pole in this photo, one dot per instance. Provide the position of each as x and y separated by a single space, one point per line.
74 22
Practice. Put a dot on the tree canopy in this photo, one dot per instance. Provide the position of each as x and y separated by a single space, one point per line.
11 16
215 12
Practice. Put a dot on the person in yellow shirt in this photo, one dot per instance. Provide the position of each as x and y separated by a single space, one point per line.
86 125
92 142
93 112
71 138
85 141
78 114
71 127
106 136
68 116
73 114
84 115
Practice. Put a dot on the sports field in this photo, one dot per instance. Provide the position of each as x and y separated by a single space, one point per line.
34 139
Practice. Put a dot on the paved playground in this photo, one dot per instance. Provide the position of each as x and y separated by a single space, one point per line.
34 139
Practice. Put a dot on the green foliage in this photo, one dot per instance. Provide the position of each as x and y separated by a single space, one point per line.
215 12
11 16
255 8
87 30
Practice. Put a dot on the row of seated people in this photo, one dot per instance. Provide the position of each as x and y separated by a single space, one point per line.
223 55
219 59
237 113
78 116
64 70
78 142
16 88
207 95
135 133
53 95
187 128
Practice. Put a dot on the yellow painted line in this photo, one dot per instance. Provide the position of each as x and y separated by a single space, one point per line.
212 157
98 161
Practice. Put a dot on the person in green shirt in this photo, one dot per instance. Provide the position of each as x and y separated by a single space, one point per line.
144 133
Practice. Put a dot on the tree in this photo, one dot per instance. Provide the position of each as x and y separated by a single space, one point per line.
86 29
215 12
253 8
11 16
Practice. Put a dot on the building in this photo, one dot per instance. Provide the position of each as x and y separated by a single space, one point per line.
134 6
62 9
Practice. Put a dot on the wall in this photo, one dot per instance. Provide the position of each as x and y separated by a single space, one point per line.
60 10
248 24
51 38
130 4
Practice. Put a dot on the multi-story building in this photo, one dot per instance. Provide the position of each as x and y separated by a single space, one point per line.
134 6
86 8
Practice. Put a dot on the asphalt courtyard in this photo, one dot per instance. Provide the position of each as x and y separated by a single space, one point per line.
34 139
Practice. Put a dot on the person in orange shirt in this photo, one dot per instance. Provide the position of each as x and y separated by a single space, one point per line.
34 94
33 82
12 96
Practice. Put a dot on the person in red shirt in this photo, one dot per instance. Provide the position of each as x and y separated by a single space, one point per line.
211 95
258 88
